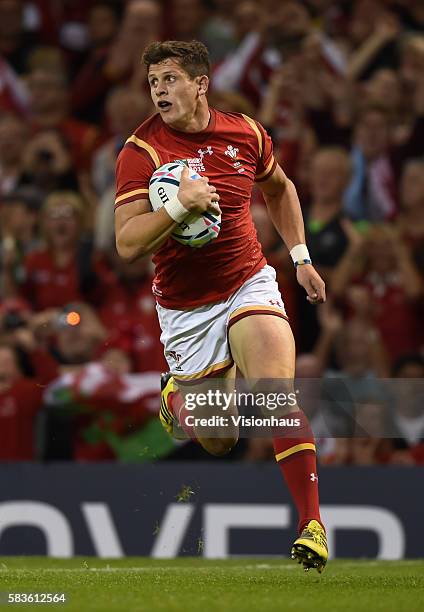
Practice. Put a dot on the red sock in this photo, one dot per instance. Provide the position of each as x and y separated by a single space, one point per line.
180 412
296 459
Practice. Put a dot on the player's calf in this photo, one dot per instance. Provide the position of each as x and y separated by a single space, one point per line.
179 422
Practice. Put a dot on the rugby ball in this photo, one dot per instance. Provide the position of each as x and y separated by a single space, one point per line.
196 230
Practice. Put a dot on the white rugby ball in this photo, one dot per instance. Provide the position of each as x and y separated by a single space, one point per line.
196 230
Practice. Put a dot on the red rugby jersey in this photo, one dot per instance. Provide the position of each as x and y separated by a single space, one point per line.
233 152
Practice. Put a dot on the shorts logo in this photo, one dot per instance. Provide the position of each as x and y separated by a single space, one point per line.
276 303
176 357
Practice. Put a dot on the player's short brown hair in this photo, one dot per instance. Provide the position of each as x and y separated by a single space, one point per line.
192 56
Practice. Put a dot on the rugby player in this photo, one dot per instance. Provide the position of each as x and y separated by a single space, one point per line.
219 306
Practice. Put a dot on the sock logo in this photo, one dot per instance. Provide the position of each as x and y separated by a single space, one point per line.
313 477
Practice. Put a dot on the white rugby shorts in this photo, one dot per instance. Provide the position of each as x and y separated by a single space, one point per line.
196 341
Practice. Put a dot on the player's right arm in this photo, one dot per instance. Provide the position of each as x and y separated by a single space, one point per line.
139 231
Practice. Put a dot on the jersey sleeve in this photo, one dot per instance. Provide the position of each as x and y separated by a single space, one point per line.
135 165
266 162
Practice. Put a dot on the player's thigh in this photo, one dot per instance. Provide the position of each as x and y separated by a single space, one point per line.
262 346
263 349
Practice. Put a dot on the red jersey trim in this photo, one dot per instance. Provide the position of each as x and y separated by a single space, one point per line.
144 145
268 172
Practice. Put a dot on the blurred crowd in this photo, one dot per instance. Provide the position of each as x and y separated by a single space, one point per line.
339 85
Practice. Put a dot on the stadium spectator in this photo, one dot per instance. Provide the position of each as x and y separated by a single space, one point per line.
269 37
408 414
233 73
140 25
21 395
366 445
373 32
91 84
92 403
371 194
102 412
412 62
382 265
311 391
18 229
94 397
13 137
61 23
128 312
324 218
14 96
325 236
411 216
50 110
282 112
187 18
219 29
16 44
47 163
77 335
383 90
117 360
353 350
59 272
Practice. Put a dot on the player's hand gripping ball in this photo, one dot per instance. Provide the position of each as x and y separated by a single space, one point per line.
196 230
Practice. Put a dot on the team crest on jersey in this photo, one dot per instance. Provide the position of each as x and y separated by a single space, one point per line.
232 153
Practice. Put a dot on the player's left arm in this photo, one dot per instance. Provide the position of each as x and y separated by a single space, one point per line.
284 209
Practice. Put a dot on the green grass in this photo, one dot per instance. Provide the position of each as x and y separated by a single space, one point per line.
198 585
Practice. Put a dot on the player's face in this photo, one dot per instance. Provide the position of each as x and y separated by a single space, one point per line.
175 95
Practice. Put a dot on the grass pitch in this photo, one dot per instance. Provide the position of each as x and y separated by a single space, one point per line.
199 585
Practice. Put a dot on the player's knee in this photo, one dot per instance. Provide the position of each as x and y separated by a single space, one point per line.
218 446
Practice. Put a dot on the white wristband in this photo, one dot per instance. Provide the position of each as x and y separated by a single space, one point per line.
176 210
300 253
